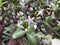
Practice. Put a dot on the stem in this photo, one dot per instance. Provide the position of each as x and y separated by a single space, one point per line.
48 2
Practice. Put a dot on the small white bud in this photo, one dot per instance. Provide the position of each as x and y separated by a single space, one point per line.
31 9
35 26
21 13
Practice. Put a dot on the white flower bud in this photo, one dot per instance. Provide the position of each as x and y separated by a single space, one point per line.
35 26
31 9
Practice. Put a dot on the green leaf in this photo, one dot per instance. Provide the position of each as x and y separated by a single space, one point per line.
41 1
25 24
0 3
55 8
48 19
32 40
15 2
30 30
0 17
38 35
58 25
18 35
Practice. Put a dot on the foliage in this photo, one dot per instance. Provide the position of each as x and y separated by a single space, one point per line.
30 22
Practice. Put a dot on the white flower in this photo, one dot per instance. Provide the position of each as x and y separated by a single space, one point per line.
52 4
29 20
19 24
40 12
22 4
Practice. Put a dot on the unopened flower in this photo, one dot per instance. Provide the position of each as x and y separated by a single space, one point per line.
35 26
31 9
20 13
26 30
